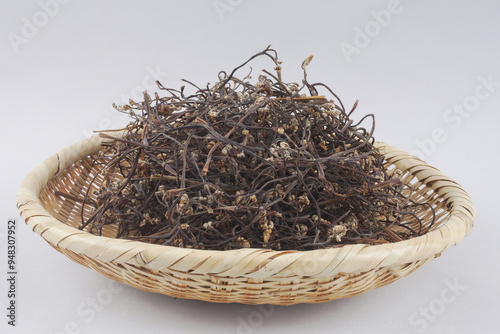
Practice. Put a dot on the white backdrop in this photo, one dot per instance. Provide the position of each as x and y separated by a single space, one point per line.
428 70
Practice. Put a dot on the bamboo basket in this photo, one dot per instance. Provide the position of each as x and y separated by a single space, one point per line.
250 275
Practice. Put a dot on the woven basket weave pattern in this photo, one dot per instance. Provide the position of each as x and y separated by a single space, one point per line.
250 276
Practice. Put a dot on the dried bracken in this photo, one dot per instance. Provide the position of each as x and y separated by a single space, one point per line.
249 165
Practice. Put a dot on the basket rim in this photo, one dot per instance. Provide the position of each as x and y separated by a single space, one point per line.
247 262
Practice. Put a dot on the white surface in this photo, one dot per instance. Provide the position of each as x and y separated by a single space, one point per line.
61 82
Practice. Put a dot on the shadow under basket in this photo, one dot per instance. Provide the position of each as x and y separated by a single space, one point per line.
249 275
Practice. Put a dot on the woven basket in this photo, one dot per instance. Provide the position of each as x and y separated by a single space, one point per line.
250 275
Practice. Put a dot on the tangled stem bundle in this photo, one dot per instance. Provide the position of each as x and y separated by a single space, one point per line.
249 165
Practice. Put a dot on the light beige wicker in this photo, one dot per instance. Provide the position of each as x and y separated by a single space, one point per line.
250 276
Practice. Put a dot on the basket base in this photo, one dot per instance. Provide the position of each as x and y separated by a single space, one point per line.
275 291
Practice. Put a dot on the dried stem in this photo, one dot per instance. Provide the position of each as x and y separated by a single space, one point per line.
249 165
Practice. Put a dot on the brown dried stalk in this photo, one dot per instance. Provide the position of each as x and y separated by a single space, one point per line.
249 165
